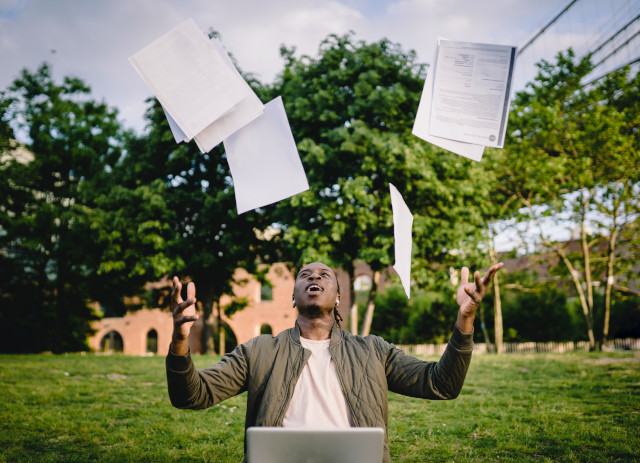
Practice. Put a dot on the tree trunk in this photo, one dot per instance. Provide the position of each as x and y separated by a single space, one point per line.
206 337
497 302
371 305
221 332
586 310
610 281
485 332
353 311
497 314
353 319
586 257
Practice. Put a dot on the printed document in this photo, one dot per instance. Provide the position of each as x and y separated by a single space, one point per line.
471 90
421 126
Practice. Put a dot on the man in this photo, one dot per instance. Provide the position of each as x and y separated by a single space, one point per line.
316 374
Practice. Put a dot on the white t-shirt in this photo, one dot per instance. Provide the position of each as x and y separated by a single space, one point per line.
318 400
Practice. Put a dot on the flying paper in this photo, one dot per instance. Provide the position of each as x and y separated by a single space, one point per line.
421 126
192 82
264 160
402 223
465 101
471 88
244 112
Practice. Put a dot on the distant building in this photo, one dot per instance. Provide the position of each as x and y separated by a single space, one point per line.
148 331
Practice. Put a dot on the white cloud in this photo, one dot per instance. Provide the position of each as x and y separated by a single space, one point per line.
93 39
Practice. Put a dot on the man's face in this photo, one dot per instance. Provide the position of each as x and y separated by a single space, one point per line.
316 287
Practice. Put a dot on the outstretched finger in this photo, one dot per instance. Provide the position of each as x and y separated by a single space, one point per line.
185 319
473 294
478 281
175 292
491 272
464 276
182 306
191 290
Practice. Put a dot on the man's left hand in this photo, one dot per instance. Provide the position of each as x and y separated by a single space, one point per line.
470 294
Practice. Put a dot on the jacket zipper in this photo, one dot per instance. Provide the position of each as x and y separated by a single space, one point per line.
289 393
346 397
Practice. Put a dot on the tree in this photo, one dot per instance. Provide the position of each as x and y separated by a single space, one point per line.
6 133
210 240
46 210
572 157
351 111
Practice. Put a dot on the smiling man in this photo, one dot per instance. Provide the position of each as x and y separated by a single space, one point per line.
316 374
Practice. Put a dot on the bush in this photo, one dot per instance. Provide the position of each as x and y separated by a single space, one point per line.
427 317
541 316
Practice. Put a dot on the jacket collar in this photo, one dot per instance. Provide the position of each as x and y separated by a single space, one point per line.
336 334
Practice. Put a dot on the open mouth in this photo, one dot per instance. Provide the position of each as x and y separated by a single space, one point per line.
314 289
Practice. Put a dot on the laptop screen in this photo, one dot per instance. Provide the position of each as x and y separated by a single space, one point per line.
314 445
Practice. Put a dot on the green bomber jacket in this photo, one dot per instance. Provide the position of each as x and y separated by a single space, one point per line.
268 367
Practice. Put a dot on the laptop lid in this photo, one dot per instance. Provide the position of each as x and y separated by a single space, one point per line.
314 445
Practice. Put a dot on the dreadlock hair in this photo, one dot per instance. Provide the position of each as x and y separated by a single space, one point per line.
336 314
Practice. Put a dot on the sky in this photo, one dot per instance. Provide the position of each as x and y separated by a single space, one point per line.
93 39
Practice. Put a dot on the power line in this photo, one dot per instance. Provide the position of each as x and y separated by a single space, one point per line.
617 49
614 35
608 25
543 29
630 63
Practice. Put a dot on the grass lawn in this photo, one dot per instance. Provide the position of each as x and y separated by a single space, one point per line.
575 407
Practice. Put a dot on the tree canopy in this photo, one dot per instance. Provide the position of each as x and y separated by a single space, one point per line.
48 265
351 111
91 212
572 160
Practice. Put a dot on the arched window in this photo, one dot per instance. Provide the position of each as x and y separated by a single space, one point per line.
266 292
152 342
362 286
362 283
266 329
111 342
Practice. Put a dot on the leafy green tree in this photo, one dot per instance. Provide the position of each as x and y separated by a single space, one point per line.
572 157
351 111
131 228
6 133
209 239
46 210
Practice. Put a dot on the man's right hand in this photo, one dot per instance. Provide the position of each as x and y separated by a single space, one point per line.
184 314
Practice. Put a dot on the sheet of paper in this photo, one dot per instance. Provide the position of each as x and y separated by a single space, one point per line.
471 91
421 125
194 85
178 134
403 242
244 112
264 160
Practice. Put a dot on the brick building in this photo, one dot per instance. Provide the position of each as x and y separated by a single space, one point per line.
269 309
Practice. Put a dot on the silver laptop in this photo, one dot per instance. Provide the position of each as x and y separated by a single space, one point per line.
314 445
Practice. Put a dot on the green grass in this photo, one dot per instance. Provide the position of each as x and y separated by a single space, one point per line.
574 407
